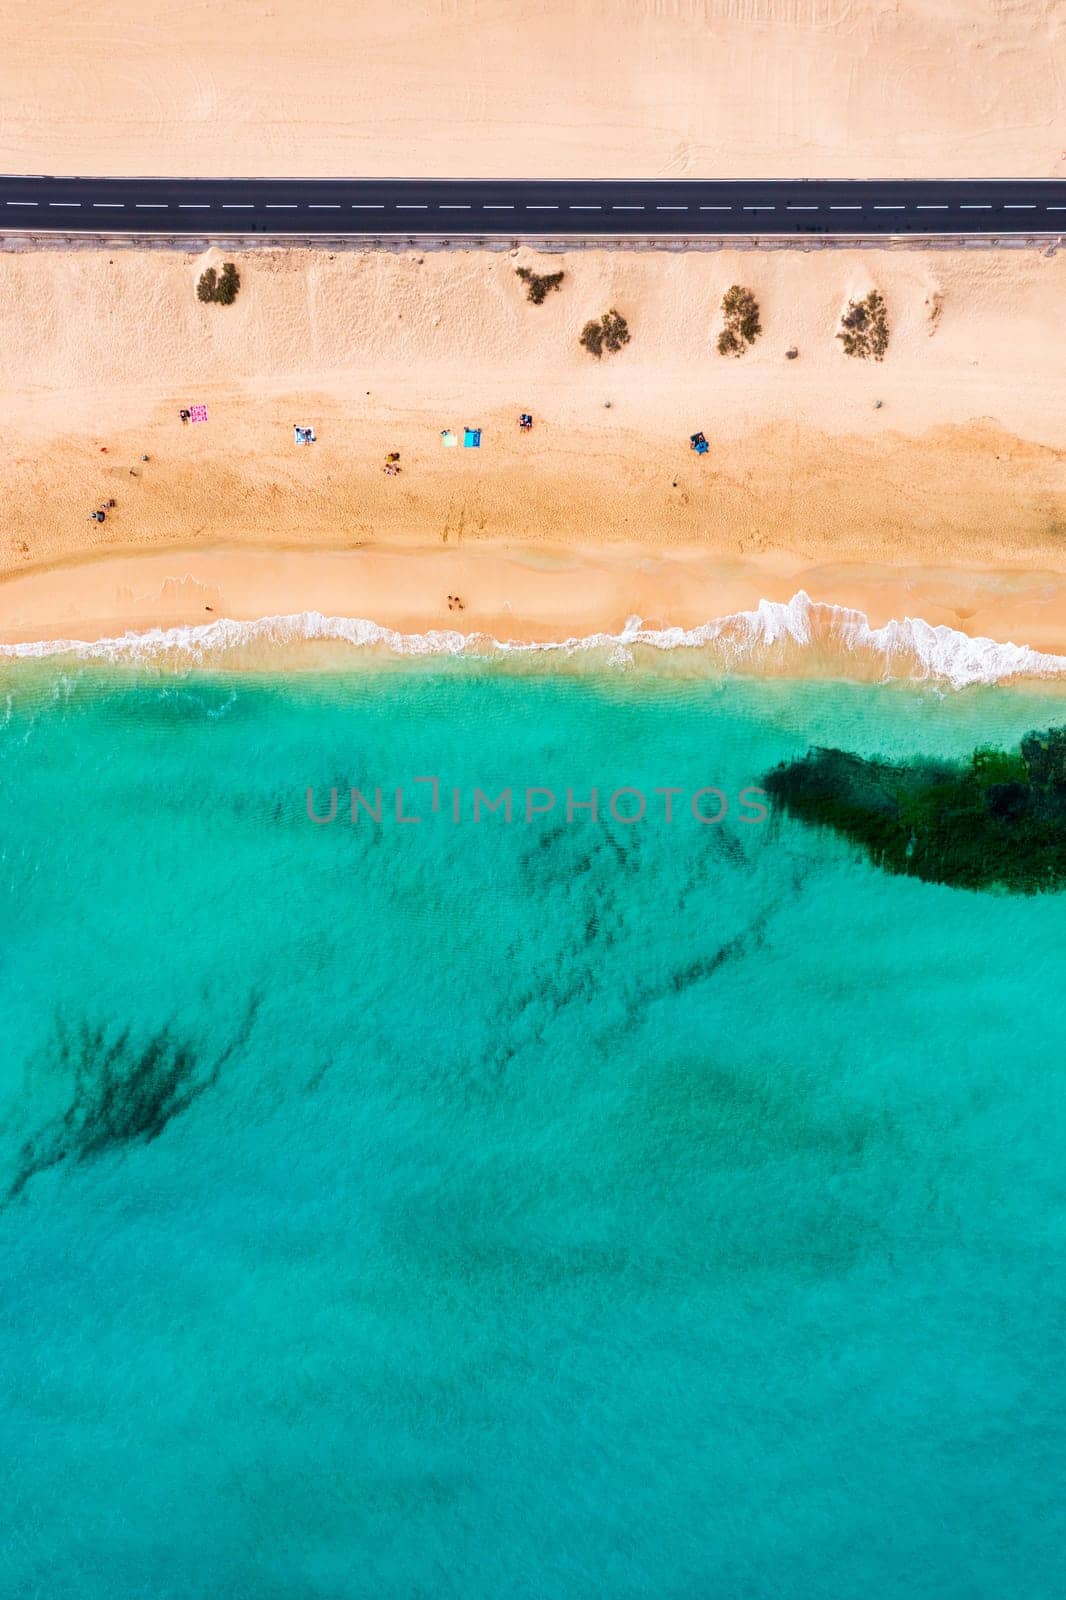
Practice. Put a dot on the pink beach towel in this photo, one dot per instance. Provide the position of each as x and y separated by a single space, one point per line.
197 413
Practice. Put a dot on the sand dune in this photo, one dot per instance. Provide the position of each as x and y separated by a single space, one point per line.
609 88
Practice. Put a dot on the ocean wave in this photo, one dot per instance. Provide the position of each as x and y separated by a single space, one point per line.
776 635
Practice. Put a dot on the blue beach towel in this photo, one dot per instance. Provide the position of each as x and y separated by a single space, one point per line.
472 438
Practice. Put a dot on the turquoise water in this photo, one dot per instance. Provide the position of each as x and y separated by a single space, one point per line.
513 1210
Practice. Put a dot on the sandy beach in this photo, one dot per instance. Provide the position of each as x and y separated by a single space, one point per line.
509 88
849 479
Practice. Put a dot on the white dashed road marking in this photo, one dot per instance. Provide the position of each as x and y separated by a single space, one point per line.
867 205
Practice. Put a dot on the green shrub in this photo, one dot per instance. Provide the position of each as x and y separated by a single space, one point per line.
742 326
538 284
228 284
864 327
219 290
592 339
611 332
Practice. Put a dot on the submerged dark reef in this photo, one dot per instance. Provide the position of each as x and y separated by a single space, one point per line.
998 822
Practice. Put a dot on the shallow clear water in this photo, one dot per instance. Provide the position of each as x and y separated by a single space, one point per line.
507 1210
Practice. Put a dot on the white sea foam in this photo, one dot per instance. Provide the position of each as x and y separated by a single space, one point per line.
775 633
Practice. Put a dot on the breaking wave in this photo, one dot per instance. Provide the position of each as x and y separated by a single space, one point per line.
783 636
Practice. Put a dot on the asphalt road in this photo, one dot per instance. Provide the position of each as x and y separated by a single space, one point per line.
460 209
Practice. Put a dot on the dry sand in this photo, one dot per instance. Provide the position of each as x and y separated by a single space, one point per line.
535 88
905 509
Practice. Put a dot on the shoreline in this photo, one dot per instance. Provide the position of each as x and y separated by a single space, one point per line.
247 608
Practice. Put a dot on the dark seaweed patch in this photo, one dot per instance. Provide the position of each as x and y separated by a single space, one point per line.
584 877
997 822
697 971
125 1091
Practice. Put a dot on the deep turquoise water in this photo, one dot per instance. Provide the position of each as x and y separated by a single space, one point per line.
513 1211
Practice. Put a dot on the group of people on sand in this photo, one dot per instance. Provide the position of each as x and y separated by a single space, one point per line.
100 514
392 469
